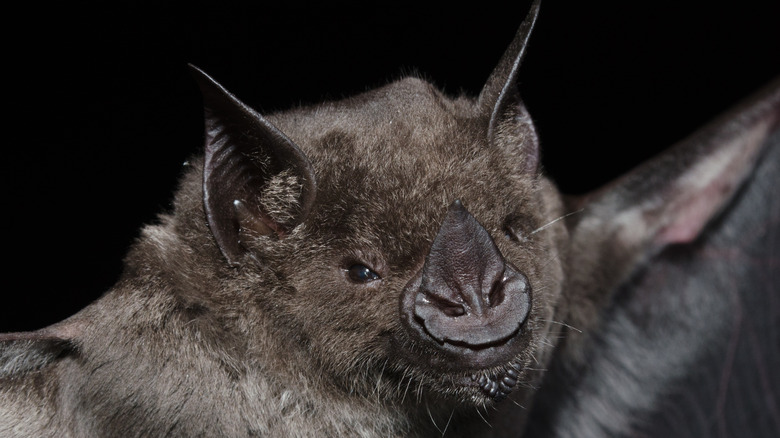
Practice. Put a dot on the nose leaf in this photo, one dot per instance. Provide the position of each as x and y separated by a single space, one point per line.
468 294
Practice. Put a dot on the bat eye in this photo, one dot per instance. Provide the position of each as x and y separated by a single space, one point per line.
361 274
513 229
512 234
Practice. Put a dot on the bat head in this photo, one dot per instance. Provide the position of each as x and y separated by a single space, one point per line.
406 230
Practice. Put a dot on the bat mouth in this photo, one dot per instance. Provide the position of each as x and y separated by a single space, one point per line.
459 356
472 374
475 374
457 345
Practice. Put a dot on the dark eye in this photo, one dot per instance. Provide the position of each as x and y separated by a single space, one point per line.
512 234
513 229
361 274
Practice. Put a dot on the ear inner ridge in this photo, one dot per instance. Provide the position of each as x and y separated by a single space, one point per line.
244 152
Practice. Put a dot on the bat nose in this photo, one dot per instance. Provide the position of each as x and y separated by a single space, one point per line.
466 293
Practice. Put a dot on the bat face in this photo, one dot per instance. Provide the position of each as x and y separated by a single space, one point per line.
422 203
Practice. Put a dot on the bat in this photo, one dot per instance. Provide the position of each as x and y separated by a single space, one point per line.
245 239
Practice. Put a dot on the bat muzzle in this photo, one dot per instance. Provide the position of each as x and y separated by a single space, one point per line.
467 301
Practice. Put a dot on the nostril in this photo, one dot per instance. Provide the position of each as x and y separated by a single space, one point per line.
443 305
453 311
496 295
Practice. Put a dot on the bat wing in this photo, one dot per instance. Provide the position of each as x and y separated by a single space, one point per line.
732 386
723 322
688 344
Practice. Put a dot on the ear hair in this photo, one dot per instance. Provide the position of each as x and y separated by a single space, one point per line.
244 155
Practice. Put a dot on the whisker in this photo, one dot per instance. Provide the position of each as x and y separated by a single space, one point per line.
448 422
555 220
430 415
529 385
408 384
518 404
563 324
483 418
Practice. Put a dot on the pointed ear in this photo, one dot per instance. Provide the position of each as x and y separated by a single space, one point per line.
255 179
499 99
667 201
29 351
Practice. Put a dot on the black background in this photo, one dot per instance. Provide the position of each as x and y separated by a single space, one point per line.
100 111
